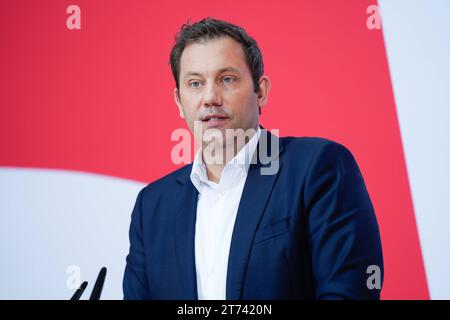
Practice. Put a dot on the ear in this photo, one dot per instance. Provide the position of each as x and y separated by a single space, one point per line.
176 96
263 92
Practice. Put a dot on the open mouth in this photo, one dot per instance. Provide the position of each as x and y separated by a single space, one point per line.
214 120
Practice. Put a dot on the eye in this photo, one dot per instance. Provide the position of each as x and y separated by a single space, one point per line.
194 84
228 80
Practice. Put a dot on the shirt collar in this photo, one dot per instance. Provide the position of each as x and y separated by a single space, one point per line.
241 161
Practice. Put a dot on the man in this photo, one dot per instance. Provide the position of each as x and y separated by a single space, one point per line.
255 218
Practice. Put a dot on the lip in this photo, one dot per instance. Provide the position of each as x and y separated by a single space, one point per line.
219 120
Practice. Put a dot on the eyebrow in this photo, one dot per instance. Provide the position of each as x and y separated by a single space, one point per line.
226 69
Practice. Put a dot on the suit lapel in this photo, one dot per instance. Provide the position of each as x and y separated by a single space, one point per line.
185 218
254 197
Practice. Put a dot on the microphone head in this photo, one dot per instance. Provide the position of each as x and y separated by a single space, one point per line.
79 292
83 285
98 286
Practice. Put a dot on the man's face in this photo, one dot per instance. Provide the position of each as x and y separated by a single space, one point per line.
216 87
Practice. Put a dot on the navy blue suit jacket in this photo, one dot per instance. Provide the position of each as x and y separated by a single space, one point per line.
308 231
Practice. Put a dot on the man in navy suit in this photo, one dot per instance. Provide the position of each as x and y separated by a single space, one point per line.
254 216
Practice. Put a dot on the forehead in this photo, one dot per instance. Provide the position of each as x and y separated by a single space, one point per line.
213 55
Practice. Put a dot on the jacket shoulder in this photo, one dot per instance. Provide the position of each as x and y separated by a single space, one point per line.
167 182
307 151
311 145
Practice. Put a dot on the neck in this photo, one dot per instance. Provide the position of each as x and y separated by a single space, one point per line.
214 170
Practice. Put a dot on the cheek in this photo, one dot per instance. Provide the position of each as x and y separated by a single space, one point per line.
190 105
244 104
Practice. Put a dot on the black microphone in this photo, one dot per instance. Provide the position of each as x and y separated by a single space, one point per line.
79 292
98 286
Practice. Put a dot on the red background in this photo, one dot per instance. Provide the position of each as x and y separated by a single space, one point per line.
99 99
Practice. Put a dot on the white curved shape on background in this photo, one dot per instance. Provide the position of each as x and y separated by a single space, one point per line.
417 34
51 219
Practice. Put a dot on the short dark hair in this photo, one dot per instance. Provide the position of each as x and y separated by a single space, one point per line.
208 29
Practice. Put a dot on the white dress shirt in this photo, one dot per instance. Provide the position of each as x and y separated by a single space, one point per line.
216 213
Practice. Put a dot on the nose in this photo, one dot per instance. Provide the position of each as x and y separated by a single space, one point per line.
212 96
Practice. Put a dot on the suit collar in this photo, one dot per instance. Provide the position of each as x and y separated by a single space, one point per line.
239 164
263 157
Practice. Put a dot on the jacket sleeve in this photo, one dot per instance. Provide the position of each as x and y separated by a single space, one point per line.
343 234
135 284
